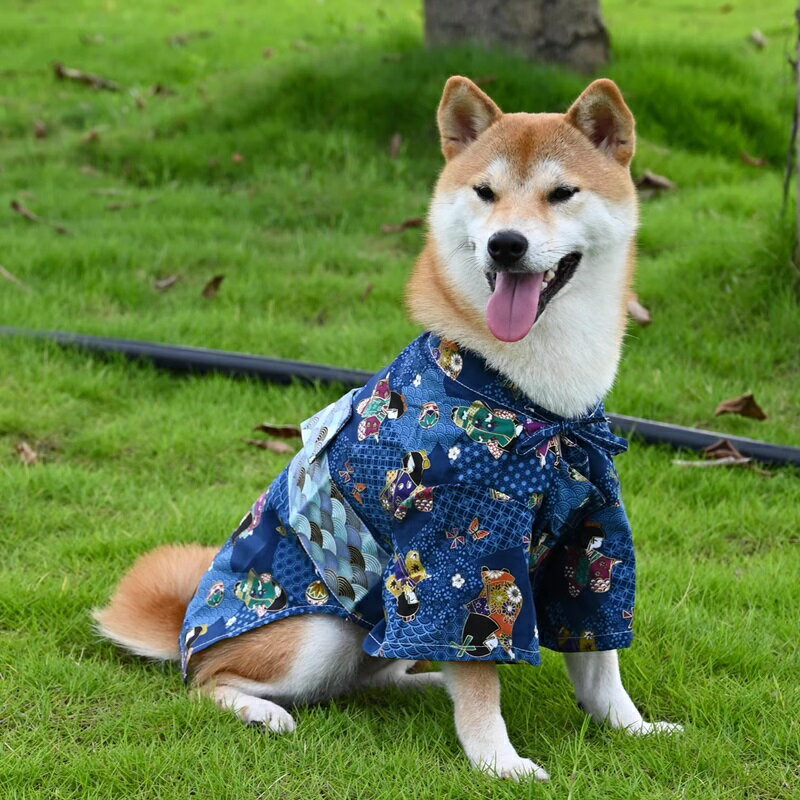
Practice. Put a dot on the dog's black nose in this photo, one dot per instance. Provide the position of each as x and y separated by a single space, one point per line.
507 247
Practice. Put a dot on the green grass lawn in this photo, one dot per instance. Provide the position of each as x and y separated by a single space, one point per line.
275 172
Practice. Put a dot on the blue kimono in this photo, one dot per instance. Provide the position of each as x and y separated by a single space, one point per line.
442 511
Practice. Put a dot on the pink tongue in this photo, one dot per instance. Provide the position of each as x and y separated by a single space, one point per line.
512 308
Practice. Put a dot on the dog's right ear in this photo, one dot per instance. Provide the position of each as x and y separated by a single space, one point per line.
465 112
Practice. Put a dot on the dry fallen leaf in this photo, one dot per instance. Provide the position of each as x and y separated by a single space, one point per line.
745 405
758 39
267 52
395 144
266 444
26 453
411 222
95 81
281 431
10 276
722 448
25 212
40 129
237 158
753 161
367 291
649 180
91 136
726 8
638 312
212 287
162 284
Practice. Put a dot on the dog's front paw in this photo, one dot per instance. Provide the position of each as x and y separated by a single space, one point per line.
265 715
643 728
511 767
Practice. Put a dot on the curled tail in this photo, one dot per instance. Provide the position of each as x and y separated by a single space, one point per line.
146 613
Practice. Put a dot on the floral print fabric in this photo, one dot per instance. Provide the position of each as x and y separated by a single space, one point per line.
441 510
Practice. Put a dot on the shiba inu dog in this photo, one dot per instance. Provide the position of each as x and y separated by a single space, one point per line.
463 506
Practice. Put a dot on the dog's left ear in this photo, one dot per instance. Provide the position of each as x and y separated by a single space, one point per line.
465 112
601 115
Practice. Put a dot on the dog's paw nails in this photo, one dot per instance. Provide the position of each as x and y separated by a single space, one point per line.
513 768
646 728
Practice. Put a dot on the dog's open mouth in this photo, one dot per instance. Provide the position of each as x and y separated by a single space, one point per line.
519 298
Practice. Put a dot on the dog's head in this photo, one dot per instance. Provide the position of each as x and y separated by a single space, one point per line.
531 208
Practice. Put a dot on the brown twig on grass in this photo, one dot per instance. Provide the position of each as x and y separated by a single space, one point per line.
24 211
64 72
12 278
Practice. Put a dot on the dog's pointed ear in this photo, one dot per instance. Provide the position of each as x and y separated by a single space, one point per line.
601 115
465 112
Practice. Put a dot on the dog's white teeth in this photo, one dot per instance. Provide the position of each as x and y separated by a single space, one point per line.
549 275
544 284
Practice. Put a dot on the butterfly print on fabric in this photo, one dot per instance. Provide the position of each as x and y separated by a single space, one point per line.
457 539
347 473
476 530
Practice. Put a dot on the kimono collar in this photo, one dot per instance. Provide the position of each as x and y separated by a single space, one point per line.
470 371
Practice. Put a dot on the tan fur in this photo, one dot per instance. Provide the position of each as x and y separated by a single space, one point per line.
475 690
262 655
310 658
524 140
145 614
465 111
435 303
601 114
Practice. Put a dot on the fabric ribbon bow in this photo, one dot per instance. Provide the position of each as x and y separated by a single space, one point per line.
592 431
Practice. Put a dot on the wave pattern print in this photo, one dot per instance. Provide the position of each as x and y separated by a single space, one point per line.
343 550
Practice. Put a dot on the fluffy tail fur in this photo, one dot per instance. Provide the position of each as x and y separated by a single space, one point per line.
146 613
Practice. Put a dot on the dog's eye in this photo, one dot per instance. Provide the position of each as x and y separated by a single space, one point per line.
562 193
484 192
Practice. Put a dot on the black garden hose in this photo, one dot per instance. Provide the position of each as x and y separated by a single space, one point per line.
201 360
